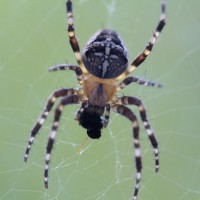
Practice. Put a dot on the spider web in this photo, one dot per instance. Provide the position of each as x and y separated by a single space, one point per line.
33 37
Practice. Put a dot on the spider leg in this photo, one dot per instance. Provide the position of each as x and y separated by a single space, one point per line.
76 69
126 112
73 99
126 100
138 80
51 100
142 56
72 37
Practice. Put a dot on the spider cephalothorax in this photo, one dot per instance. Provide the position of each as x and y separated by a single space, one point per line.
102 64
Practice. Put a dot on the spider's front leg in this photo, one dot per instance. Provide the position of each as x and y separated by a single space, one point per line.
51 100
73 99
126 100
126 112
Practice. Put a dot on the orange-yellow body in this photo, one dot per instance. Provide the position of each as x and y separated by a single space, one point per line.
99 91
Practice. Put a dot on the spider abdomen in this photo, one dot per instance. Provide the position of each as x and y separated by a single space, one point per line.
105 55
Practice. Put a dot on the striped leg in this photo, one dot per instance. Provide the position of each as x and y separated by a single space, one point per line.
51 100
73 99
138 80
126 112
125 100
76 69
72 38
142 56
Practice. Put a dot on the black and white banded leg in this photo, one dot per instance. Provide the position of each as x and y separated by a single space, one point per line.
76 69
73 99
126 112
72 37
137 80
126 100
51 100
142 56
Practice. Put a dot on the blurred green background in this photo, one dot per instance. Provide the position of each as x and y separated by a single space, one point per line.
33 37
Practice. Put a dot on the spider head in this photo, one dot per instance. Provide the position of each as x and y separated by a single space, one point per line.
91 120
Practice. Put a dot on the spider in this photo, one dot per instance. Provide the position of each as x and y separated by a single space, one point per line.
103 62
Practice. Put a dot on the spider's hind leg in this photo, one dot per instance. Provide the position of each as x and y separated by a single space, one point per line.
73 99
72 37
145 53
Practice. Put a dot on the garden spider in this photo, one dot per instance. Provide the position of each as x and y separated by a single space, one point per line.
102 64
